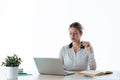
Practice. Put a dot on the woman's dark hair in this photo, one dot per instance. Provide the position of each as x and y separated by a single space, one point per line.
76 25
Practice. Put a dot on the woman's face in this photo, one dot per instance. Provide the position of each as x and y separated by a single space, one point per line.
75 34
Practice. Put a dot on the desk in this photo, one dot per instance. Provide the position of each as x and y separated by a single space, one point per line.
76 76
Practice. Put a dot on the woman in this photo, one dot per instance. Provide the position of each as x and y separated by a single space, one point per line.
78 55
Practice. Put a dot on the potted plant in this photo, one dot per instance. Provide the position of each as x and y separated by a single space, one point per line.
12 63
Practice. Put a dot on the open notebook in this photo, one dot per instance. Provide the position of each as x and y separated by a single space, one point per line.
95 73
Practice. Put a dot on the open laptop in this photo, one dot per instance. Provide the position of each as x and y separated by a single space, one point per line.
50 66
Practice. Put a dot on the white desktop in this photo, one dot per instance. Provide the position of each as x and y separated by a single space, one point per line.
36 76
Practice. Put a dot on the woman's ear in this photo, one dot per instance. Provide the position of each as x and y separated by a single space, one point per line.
81 33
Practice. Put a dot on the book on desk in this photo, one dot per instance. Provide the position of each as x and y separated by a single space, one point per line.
22 73
95 73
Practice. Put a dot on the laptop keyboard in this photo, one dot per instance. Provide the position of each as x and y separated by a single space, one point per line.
68 72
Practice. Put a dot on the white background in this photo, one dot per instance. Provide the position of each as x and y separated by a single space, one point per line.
39 28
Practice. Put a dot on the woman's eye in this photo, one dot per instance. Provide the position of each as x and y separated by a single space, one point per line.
74 33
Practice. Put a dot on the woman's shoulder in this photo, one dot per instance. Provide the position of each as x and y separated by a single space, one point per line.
65 46
64 49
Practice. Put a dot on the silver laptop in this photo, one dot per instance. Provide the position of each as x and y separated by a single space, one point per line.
50 66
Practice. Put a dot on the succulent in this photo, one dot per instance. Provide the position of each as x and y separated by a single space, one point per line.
12 61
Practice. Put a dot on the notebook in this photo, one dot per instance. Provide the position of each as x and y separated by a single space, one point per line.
95 73
52 66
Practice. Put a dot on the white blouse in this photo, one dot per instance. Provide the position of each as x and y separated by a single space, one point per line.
82 60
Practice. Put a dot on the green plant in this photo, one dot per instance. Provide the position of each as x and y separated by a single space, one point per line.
12 61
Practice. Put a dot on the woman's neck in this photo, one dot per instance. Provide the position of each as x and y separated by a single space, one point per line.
76 44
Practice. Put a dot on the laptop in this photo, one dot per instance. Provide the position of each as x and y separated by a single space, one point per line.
52 66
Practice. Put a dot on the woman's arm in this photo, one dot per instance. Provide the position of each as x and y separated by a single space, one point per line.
91 61
61 55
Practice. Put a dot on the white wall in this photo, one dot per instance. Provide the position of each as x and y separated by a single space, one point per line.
39 28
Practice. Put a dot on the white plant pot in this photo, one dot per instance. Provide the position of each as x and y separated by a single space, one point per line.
12 73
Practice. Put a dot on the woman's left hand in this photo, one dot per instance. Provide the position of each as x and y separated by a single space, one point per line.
87 46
